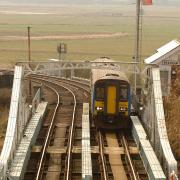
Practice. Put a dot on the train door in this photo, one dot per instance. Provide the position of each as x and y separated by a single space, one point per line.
111 99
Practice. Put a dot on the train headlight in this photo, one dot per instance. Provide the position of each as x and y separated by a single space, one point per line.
123 109
99 108
141 108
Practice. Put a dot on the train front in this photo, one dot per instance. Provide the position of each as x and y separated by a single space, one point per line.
112 102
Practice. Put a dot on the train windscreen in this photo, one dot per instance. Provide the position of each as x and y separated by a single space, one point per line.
99 93
123 94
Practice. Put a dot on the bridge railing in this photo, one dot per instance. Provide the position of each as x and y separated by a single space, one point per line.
36 100
19 115
156 126
14 127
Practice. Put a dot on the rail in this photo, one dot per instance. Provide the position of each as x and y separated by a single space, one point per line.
101 150
69 154
66 81
70 140
134 175
48 135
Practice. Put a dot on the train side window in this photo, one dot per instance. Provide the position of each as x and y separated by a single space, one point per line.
123 94
99 93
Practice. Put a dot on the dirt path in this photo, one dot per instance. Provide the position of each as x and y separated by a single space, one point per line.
68 37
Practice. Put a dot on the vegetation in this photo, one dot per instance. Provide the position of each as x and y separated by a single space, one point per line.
5 94
159 26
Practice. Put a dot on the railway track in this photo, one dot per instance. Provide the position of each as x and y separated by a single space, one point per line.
59 129
102 156
57 152
118 159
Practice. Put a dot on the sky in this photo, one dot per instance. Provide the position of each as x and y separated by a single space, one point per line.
82 1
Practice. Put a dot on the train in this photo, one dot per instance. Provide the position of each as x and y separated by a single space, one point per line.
110 96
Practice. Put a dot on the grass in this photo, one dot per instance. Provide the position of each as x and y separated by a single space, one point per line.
157 30
160 25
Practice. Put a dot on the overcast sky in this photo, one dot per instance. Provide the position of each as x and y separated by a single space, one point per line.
82 1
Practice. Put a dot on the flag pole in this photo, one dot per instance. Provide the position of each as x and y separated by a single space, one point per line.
29 56
136 57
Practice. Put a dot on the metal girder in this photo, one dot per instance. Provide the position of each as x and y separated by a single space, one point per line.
47 66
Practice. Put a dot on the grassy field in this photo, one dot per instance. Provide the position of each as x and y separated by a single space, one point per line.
159 25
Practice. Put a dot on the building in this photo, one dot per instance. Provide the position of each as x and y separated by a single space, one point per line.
165 57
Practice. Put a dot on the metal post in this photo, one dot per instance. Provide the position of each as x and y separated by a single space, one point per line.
29 46
137 40
29 57
59 56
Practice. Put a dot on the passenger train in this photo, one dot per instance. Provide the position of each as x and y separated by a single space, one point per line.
111 96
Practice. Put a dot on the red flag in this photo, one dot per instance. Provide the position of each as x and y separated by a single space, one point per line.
147 2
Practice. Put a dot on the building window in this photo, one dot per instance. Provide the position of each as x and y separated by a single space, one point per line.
178 58
164 82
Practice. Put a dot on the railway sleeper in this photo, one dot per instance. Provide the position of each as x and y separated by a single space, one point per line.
78 149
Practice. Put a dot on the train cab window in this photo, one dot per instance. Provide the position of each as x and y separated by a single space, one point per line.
123 95
99 93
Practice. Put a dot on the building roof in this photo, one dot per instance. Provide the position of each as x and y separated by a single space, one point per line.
163 51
